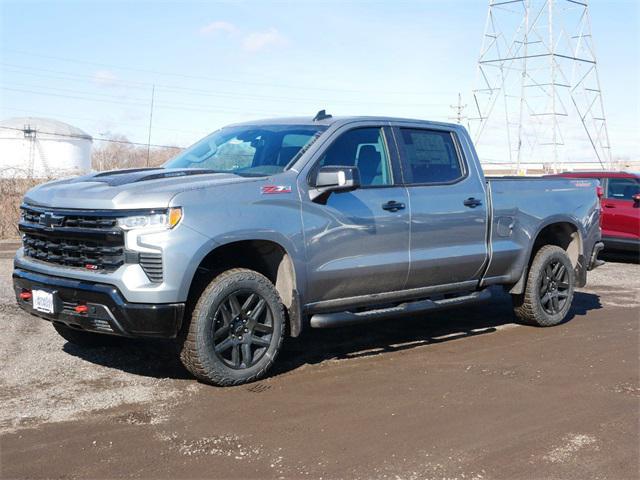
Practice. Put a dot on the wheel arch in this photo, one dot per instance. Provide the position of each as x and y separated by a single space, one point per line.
562 231
266 256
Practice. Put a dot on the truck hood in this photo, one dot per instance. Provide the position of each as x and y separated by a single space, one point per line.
126 189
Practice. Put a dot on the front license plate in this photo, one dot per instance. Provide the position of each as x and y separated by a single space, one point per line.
42 301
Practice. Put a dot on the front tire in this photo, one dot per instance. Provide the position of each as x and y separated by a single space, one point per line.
236 329
549 290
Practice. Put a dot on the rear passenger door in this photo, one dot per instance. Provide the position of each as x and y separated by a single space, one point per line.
448 208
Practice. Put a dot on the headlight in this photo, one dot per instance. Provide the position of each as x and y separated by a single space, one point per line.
154 221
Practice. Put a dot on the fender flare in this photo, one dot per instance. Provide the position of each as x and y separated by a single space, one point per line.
518 287
293 310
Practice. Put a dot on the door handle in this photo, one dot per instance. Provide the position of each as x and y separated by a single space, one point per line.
393 206
607 205
472 202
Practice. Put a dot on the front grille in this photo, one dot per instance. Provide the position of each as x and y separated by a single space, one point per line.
72 239
83 240
73 253
81 221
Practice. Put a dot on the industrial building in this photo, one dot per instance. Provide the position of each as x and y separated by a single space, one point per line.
32 147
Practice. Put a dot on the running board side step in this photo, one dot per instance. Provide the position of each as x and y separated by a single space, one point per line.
343 319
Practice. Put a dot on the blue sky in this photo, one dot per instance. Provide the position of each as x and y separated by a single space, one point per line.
93 63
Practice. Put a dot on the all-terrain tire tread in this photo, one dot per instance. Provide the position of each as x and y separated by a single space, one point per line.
192 358
524 305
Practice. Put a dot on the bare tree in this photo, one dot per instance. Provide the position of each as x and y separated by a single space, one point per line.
12 191
119 154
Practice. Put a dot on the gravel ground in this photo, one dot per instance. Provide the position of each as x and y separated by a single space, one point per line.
44 379
414 399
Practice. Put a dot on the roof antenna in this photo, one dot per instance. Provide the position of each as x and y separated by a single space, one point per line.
321 115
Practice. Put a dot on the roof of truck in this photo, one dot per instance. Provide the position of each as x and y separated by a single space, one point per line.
330 120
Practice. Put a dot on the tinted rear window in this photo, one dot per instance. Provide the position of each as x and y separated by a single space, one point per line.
431 156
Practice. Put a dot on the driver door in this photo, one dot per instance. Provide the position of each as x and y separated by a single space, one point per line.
357 243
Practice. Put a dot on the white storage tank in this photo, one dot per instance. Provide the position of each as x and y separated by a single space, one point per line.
32 147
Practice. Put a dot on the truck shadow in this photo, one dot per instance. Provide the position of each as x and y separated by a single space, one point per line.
620 256
159 359
404 333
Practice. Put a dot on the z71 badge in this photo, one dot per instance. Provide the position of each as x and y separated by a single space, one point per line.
272 189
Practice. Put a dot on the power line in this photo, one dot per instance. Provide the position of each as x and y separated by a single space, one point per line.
93 119
67 75
234 81
112 99
219 93
110 140
70 96
169 106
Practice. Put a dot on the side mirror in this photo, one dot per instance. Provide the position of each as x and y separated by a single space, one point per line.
636 199
335 179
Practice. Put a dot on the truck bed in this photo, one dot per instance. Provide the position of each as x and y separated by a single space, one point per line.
519 211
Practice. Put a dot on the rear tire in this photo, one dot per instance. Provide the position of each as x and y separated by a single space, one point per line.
236 329
549 289
86 339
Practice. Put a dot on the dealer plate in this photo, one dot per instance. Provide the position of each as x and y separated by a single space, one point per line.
42 301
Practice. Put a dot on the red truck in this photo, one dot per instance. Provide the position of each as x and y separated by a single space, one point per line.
620 201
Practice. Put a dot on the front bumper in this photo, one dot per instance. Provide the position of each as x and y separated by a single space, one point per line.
107 310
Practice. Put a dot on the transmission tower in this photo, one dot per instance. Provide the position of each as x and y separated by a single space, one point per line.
458 111
538 91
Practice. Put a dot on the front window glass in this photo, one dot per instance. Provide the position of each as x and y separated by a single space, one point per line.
622 188
363 148
249 150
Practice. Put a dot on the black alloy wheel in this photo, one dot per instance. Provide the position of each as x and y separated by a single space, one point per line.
554 287
243 329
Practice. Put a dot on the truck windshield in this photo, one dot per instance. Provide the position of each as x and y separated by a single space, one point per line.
258 150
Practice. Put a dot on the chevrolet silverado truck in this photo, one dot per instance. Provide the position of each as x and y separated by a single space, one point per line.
264 229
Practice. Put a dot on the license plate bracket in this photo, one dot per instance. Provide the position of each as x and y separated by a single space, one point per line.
43 301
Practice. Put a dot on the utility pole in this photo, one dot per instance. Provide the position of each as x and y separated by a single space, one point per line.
458 111
30 134
538 65
153 92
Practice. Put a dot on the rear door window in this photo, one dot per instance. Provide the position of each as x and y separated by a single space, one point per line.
430 156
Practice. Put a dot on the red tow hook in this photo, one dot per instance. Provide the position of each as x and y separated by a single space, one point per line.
81 309
25 295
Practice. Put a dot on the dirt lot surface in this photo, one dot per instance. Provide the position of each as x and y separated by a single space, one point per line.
464 394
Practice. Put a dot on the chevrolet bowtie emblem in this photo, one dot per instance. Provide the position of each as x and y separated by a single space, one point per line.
50 220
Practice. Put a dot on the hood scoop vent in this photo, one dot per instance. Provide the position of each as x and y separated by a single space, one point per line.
124 177
124 171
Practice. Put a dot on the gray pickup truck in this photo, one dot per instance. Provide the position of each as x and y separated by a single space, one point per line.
264 229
